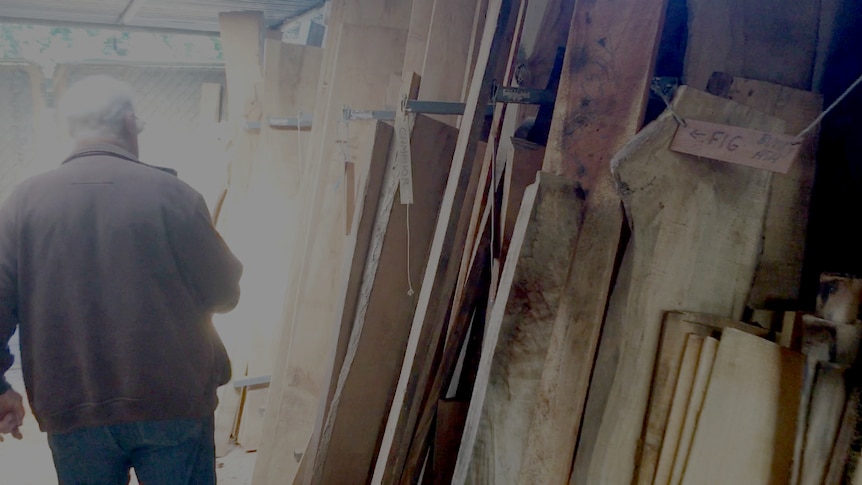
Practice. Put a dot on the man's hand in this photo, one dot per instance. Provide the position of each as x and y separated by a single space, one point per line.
11 414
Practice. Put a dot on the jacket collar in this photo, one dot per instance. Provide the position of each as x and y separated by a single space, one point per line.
101 149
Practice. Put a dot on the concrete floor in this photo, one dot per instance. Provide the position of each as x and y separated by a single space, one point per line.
28 462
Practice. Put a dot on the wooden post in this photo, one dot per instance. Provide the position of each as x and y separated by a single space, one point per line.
242 41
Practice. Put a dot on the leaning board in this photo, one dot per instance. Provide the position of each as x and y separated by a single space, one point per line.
747 426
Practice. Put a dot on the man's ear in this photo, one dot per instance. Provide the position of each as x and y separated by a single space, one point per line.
130 123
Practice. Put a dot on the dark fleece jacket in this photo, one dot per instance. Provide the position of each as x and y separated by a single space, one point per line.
112 269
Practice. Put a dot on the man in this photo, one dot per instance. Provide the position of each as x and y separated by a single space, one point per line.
111 270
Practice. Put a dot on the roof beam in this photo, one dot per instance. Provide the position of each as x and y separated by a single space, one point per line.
108 26
130 11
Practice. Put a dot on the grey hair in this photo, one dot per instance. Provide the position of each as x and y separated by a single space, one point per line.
95 107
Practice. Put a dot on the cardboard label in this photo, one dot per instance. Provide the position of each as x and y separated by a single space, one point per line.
403 164
742 146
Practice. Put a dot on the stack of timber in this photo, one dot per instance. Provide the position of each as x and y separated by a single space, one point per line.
779 413
458 304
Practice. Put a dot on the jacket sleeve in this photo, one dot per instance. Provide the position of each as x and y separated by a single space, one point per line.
209 268
8 286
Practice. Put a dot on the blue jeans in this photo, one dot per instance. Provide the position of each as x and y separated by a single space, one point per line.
175 452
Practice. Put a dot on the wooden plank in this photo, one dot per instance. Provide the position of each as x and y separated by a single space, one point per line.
373 362
839 298
842 452
289 84
521 172
367 58
242 44
210 111
600 104
770 40
565 379
674 259
688 368
359 244
779 271
677 325
274 194
479 225
607 72
828 398
518 333
445 58
746 428
451 415
441 272
693 409
842 346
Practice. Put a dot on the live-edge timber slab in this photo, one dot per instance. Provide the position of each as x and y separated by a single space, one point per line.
696 231
779 272
746 428
518 333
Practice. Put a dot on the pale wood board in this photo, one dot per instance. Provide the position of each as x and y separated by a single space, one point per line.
828 398
365 59
770 40
696 231
565 378
241 38
290 72
839 298
843 346
688 368
441 272
444 62
379 333
518 333
520 172
289 86
677 325
779 271
479 190
842 452
210 104
610 54
746 428
695 404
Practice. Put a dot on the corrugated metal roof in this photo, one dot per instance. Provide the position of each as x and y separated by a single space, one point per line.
189 15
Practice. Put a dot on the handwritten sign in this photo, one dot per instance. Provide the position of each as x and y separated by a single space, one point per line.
743 146
403 164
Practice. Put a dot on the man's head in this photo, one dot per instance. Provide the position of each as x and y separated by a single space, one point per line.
99 109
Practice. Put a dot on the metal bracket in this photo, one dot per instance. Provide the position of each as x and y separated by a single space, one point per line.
251 381
302 123
499 94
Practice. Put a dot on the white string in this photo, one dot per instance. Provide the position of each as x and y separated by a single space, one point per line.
410 291
832 106
342 142
664 98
